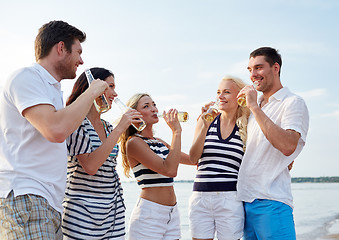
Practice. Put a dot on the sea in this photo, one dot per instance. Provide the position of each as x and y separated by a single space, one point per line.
316 208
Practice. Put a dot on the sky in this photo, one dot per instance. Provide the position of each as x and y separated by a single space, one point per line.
178 51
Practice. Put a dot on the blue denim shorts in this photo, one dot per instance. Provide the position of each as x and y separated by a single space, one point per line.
268 219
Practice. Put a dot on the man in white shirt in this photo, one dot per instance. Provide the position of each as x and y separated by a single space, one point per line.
34 125
276 131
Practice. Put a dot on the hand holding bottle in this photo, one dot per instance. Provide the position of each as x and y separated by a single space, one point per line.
241 98
212 111
131 116
182 116
101 103
139 124
171 118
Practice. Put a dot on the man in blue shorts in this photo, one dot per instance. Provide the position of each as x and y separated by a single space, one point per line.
276 134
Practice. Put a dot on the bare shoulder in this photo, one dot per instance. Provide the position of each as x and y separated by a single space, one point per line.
160 140
135 143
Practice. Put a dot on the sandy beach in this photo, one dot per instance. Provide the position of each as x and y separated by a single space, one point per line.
333 231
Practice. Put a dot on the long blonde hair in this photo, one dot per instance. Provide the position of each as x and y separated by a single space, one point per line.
124 137
242 112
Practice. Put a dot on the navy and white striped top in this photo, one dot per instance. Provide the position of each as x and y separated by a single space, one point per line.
93 205
220 161
146 177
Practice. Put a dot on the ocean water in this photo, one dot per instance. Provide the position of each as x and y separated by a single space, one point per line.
316 207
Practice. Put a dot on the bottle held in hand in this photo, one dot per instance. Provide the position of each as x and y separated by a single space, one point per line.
242 99
212 111
100 103
182 116
138 126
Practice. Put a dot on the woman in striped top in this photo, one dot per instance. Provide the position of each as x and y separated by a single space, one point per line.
218 148
155 164
93 205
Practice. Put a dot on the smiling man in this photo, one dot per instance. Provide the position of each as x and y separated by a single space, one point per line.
276 134
34 125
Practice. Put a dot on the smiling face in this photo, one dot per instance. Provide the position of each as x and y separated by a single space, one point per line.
110 92
227 95
68 65
147 107
262 73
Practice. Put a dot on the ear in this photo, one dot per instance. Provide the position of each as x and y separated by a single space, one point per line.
61 47
276 68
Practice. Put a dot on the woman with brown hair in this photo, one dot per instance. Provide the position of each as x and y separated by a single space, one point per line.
93 204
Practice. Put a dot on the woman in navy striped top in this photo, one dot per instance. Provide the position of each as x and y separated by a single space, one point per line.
154 164
218 148
93 205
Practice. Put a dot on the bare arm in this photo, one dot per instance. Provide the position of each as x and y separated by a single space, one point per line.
91 162
199 136
57 125
198 141
286 141
139 151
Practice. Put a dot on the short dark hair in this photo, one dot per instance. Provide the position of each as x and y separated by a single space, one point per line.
81 84
271 55
53 32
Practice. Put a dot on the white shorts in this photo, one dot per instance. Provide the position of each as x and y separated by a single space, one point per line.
150 220
216 212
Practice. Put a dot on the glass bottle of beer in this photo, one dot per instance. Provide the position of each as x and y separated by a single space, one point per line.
138 126
100 103
242 99
182 116
212 111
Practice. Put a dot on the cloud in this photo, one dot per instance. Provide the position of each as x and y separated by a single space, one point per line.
315 93
170 98
334 114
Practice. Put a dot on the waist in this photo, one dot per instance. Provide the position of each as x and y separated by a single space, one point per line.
161 195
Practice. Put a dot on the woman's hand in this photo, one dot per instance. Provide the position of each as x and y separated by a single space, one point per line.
131 116
204 109
171 118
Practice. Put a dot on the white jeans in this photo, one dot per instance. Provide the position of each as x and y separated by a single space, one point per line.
153 221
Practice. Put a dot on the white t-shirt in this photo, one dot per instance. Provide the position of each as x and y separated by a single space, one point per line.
264 170
28 162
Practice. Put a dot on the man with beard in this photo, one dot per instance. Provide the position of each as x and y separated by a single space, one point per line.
276 134
34 125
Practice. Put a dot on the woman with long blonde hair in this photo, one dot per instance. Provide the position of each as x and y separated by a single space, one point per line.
217 148
154 164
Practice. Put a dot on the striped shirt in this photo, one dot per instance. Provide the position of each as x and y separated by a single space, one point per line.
93 205
146 177
220 161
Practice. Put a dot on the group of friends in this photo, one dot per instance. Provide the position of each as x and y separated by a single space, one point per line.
243 156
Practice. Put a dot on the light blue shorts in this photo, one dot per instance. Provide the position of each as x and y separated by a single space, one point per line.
269 220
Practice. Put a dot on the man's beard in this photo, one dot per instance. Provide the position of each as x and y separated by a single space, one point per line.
65 69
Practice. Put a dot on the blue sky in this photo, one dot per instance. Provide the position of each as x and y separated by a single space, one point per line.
178 51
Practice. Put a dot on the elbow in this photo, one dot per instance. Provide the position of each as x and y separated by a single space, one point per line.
91 171
56 135
288 151
193 158
172 173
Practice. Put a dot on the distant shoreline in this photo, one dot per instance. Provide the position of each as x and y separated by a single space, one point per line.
294 180
315 180
300 180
